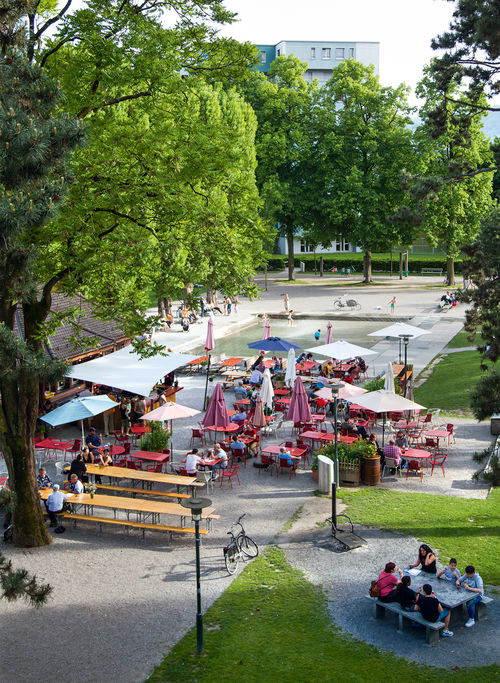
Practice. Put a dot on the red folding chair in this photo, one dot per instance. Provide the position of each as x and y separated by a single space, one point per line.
121 463
415 466
268 463
283 466
197 434
438 460
156 468
76 447
229 474
133 465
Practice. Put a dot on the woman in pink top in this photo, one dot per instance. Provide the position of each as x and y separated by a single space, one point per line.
387 581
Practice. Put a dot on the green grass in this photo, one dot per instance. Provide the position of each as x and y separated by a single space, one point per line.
461 341
271 625
465 528
451 383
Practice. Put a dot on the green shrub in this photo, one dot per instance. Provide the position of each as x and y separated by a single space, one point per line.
157 439
380 262
352 453
374 384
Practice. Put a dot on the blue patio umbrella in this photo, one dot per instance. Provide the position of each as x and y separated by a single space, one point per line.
79 409
273 344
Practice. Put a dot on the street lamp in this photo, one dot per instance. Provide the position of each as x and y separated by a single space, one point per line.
406 340
335 388
196 506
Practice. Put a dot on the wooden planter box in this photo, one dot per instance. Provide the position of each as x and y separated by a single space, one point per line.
315 474
350 473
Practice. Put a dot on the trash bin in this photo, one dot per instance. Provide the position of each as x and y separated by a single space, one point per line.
302 266
325 474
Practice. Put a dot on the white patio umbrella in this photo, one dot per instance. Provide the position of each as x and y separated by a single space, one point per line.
399 329
383 401
341 350
291 371
266 389
347 391
79 409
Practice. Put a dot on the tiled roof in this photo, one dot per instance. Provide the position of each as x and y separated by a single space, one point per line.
80 333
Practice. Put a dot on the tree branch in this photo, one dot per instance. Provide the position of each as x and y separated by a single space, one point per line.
470 104
56 48
51 21
127 217
116 100
492 169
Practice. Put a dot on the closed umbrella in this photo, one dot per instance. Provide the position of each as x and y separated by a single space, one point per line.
273 344
209 346
389 379
291 371
342 350
329 333
169 411
79 409
299 410
259 419
267 330
266 389
216 412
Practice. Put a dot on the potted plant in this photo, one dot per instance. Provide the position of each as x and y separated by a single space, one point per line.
157 439
279 380
371 462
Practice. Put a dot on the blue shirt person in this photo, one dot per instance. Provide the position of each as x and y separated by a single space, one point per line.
472 582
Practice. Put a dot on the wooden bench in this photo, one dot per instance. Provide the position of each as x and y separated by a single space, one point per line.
431 271
146 492
432 628
135 525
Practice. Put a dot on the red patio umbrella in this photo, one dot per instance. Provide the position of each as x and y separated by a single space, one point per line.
299 410
209 346
216 414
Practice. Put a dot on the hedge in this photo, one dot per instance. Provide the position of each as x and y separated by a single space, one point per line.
380 262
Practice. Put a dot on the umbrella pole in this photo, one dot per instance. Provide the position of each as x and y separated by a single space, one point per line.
206 383
383 431
83 432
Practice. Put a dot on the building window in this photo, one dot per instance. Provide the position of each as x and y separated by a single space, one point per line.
340 244
313 53
326 53
351 52
263 57
278 52
305 246
339 53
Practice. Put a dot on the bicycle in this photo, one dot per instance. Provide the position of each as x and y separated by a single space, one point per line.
341 303
239 547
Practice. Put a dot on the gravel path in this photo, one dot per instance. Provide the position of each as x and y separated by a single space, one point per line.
345 578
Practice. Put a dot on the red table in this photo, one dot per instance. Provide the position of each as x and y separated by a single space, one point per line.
198 361
402 425
305 366
140 430
3 481
323 436
282 392
437 434
229 362
53 445
116 450
150 456
231 427
416 454
294 452
283 401
242 402
318 417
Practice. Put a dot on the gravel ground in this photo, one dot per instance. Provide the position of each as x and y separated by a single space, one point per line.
345 578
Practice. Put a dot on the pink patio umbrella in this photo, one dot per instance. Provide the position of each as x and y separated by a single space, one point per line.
347 391
169 411
216 412
329 333
299 410
209 346
259 419
267 330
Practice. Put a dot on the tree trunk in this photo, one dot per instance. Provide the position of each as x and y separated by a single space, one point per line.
367 266
450 271
291 255
18 421
161 308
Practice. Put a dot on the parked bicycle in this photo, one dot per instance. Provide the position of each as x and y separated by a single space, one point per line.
240 547
341 303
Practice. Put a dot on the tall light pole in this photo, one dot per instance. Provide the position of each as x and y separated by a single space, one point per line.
196 506
335 388
406 340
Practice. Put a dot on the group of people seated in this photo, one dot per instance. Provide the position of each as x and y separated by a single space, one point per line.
394 589
447 300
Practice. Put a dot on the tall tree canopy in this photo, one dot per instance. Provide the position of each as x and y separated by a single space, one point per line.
363 145
163 191
282 103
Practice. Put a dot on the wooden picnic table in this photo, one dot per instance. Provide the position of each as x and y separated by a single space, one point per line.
235 374
150 456
139 475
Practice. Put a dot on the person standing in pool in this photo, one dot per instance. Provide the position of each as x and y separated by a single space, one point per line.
392 304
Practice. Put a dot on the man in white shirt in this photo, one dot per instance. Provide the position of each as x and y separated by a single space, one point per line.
256 378
75 485
192 460
54 504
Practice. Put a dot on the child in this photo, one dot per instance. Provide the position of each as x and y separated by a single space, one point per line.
317 335
451 573
472 582
431 609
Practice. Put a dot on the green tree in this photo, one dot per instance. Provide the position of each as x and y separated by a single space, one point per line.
453 211
282 103
363 146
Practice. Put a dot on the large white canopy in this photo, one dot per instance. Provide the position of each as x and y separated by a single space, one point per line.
398 329
341 350
383 401
125 369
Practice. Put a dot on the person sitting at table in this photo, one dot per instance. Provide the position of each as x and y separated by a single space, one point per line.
192 461
393 452
401 440
42 479
222 464
361 364
387 582
426 559
405 595
237 447
239 417
55 504
239 390
257 362
74 484
431 609
255 378
372 439
92 439
286 456
450 572
472 582
79 468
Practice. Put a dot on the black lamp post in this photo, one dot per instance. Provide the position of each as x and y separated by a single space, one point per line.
406 340
196 506
335 388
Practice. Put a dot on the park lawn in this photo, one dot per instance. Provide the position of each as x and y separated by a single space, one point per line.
462 341
465 528
272 625
450 385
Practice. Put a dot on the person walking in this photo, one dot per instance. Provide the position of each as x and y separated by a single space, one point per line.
392 304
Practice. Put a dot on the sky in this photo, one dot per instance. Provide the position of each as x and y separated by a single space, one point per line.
404 28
